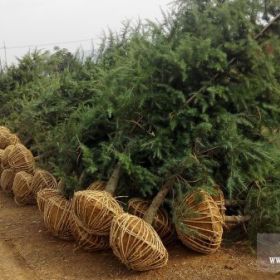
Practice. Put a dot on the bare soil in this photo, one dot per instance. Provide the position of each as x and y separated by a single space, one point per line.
28 251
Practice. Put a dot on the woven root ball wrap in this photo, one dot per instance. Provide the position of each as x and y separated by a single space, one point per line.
7 138
7 180
219 198
136 243
94 211
87 241
97 186
57 217
1 156
162 222
199 224
21 159
22 189
43 179
5 157
43 195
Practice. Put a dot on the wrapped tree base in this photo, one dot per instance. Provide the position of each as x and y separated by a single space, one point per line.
94 210
43 195
162 223
219 198
97 186
57 217
7 138
1 156
7 180
22 189
5 157
21 159
199 224
43 179
136 243
87 241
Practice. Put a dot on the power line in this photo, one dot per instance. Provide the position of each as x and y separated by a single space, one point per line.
45 44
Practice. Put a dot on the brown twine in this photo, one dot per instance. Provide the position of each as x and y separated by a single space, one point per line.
136 243
22 188
219 198
5 157
97 186
85 240
21 159
7 138
43 195
7 179
199 223
43 179
162 222
57 217
94 211
1 156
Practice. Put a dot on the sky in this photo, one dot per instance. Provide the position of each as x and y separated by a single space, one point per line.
28 23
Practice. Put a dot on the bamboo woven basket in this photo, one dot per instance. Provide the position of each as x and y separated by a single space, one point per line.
5 157
21 159
7 180
43 195
199 224
94 211
7 138
87 241
162 222
136 243
97 186
57 217
22 189
43 179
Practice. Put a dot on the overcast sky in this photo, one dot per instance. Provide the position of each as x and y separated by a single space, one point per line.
35 22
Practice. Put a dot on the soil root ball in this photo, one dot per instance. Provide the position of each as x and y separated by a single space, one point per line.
43 195
97 186
42 180
22 189
162 222
199 224
136 243
7 180
57 217
94 211
7 138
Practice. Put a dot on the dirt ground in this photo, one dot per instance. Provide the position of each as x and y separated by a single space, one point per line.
28 251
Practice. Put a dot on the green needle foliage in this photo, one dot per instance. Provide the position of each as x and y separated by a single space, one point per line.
196 96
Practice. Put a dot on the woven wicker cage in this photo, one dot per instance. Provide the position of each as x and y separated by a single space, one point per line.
97 186
43 195
136 243
43 179
22 188
87 241
7 138
219 198
199 223
7 180
21 159
5 157
94 211
57 217
162 222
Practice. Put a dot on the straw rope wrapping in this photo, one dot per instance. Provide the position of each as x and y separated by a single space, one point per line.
57 217
136 243
43 195
7 180
43 179
199 223
89 242
1 156
5 157
94 211
219 198
4 128
21 159
7 138
22 189
162 223
97 186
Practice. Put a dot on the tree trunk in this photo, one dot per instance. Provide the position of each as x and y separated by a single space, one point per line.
114 179
237 219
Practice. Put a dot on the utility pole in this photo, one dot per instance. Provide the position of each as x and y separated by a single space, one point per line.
5 54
